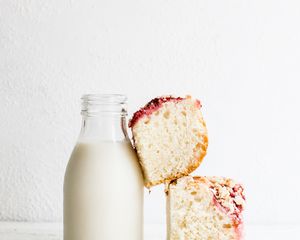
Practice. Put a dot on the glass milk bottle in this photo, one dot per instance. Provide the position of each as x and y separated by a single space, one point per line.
103 186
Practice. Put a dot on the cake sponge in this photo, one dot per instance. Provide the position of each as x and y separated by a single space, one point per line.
170 138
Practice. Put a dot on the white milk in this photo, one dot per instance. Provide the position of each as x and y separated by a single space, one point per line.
103 193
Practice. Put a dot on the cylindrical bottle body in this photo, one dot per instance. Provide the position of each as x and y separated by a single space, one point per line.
103 187
103 192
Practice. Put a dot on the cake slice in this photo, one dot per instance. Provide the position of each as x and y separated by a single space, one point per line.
205 208
170 138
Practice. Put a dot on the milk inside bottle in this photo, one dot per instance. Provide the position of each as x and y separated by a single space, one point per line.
103 186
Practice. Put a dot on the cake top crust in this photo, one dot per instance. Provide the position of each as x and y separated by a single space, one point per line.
155 104
228 195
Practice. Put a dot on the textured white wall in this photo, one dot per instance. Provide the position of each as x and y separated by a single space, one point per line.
241 58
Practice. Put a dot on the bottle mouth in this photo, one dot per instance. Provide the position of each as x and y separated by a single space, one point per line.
104 104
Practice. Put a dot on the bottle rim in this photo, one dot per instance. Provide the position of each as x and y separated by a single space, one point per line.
105 98
94 104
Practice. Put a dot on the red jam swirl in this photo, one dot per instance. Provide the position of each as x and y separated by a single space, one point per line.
151 106
236 215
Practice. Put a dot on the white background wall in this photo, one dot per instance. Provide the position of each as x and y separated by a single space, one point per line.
241 58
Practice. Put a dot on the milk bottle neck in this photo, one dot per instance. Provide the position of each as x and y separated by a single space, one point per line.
104 118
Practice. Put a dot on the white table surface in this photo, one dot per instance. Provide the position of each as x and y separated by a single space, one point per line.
53 231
